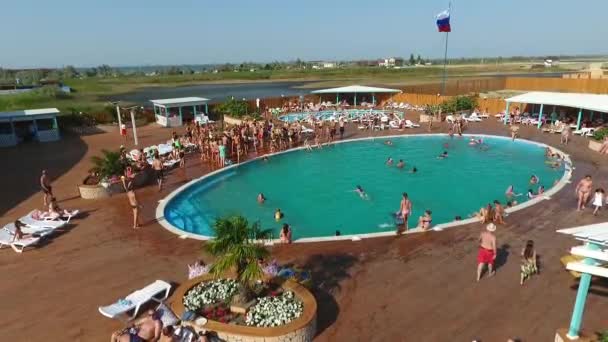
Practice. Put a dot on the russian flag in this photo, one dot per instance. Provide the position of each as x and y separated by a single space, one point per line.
443 22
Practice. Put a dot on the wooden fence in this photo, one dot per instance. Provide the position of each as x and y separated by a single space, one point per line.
593 86
458 87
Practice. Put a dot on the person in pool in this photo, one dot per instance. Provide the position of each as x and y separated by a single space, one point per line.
285 233
424 221
388 143
405 208
389 161
261 198
530 194
278 215
533 179
414 170
443 155
359 190
510 193
400 164
541 190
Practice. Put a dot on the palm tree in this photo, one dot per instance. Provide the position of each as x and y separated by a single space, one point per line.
109 164
236 246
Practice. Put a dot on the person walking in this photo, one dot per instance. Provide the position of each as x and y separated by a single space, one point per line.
487 250
47 189
583 191
132 197
157 165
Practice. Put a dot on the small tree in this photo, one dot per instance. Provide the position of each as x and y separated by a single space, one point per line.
237 248
233 107
108 164
418 60
412 60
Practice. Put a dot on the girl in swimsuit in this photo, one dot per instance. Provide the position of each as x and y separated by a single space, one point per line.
405 208
424 221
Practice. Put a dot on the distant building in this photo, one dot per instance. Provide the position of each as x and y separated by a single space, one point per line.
329 65
387 62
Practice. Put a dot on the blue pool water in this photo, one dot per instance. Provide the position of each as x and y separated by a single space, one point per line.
334 114
314 189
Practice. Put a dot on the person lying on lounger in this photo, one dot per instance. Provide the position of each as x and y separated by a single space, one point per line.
18 233
56 212
148 329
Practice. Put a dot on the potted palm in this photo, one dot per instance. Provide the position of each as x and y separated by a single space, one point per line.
106 169
237 248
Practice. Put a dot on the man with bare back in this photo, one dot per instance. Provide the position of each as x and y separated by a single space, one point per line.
487 250
583 189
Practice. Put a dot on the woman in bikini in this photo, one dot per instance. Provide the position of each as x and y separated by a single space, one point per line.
405 208
425 220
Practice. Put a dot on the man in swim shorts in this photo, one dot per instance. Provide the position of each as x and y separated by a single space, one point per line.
157 165
45 185
487 250
583 189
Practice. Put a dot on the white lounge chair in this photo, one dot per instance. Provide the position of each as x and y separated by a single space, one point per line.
410 124
28 220
585 131
7 239
136 299
38 231
450 119
473 118
394 124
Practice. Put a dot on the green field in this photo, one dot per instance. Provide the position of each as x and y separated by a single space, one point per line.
89 94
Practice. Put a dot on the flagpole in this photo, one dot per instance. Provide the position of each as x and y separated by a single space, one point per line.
445 55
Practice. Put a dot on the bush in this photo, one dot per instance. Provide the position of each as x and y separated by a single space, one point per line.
108 165
105 116
232 107
75 120
459 103
600 134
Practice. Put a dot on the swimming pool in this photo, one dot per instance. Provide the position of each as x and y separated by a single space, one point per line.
328 115
314 189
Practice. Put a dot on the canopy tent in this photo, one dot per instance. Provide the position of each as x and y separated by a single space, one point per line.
356 89
591 102
30 124
162 109
590 259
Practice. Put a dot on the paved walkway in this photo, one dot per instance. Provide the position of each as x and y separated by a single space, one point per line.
411 288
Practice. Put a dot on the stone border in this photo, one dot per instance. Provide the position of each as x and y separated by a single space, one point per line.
306 322
160 210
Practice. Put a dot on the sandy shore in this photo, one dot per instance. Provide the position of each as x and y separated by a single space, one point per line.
411 288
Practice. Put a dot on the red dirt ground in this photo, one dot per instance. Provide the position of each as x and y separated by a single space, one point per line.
410 288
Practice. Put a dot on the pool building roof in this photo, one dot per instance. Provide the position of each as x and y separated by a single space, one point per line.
594 102
30 113
355 89
180 101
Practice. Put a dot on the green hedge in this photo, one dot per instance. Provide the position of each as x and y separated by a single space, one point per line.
600 134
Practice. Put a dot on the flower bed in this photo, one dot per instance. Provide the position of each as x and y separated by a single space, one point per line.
274 311
211 292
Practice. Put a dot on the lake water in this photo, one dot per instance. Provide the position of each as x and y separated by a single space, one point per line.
216 92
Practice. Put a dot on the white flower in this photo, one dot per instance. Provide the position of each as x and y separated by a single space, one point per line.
274 311
209 293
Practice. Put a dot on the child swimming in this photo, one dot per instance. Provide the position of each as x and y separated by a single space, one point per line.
389 161
360 191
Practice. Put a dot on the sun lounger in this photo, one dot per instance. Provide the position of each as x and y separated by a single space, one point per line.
37 231
410 124
136 299
585 131
393 124
28 220
6 239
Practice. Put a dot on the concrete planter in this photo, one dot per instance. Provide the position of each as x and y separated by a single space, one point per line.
93 191
302 329
595 145
142 178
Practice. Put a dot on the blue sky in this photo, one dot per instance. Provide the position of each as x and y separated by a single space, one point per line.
136 32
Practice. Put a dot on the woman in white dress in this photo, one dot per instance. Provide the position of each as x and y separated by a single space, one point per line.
598 200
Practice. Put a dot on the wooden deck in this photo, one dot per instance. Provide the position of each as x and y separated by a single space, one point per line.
411 288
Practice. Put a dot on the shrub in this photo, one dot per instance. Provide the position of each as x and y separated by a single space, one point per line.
103 117
458 103
232 107
108 165
600 134
75 120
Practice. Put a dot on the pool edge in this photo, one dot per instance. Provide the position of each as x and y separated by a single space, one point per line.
567 175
